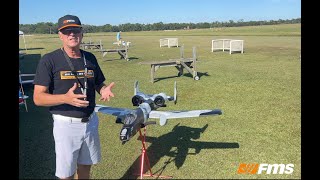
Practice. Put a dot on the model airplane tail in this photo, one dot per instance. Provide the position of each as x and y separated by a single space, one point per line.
158 99
165 115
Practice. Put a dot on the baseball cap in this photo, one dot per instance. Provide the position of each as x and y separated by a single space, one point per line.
68 21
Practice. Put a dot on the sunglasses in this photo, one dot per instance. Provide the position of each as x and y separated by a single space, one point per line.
71 30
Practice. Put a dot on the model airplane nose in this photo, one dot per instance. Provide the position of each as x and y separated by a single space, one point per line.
124 134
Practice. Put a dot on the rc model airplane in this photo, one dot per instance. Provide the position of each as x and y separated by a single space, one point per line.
134 119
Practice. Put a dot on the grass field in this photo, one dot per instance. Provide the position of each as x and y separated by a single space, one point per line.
259 93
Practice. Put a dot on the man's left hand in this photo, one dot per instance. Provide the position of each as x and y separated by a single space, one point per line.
106 92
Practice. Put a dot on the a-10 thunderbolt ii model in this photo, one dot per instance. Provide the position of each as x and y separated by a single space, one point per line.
134 119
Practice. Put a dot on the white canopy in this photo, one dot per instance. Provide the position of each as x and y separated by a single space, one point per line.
24 40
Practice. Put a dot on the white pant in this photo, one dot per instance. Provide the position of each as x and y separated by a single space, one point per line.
75 143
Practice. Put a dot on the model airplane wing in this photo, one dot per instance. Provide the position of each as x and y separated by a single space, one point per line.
164 115
111 110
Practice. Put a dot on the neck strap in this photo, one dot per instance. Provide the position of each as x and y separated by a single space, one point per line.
85 86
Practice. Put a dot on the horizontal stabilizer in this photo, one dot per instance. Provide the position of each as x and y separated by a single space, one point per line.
213 112
184 114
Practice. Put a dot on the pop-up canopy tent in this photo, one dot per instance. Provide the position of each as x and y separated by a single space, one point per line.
24 40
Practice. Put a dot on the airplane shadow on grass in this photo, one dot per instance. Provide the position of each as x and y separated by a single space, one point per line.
180 137
200 74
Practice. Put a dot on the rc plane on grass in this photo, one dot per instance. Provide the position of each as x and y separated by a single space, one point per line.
134 119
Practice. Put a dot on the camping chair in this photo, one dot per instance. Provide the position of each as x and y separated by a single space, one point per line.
22 98
30 81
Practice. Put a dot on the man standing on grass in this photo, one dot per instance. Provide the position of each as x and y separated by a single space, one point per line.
67 80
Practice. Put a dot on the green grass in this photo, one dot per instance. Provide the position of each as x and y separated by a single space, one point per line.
259 93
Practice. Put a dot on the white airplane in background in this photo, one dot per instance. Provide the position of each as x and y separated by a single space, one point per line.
134 119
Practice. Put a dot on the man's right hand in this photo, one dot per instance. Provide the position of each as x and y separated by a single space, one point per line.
75 99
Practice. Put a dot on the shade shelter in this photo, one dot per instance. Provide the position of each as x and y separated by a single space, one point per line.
24 40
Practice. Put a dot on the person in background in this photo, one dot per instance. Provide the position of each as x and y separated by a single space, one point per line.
66 81
119 38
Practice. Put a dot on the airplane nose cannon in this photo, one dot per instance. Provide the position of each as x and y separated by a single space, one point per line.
129 127
124 134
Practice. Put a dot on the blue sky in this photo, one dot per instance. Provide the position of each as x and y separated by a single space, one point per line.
115 12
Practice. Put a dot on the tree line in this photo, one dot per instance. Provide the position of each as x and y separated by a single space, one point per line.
51 28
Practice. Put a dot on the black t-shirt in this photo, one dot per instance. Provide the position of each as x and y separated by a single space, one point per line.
54 72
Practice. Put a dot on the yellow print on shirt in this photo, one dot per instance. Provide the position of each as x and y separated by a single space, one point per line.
80 74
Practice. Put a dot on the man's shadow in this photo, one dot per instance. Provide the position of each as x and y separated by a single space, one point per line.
180 137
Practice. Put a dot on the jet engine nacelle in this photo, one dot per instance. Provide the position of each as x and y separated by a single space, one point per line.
137 100
158 99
